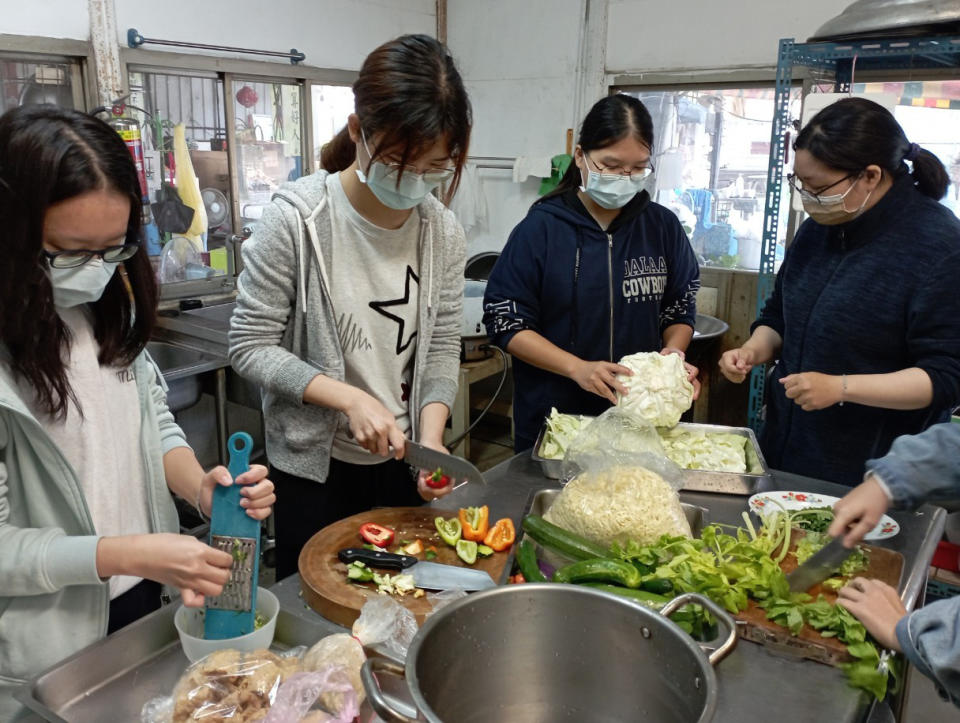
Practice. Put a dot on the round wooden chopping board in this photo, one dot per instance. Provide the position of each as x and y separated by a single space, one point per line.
323 578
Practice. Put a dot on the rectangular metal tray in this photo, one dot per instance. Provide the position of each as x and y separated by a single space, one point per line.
694 480
541 500
112 679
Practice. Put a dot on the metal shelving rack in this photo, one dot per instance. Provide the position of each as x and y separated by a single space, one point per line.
838 61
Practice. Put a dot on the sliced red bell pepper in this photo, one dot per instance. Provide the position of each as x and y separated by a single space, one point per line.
475 522
376 534
501 535
438 479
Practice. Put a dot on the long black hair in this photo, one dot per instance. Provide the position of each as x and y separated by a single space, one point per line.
611 119
47 155
410 92
854 133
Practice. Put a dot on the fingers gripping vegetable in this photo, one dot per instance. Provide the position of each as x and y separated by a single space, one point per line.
376 534
475 522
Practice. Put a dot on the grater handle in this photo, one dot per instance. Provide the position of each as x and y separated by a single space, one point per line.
239 447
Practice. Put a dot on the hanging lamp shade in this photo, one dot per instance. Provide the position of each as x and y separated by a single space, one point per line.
892 19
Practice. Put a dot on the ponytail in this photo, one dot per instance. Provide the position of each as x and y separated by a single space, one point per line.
930 175
339 153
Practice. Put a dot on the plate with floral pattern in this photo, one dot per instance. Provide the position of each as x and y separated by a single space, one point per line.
763 502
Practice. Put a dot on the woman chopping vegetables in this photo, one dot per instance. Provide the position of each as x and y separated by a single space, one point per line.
596 271
89 452
349 306
864 320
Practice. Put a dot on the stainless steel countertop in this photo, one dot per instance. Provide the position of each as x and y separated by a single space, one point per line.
755 685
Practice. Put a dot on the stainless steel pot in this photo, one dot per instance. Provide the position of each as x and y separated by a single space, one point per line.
549 652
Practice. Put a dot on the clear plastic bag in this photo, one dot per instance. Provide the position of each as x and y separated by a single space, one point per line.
306 698
439 600
226 685
385 621
343 650
623 488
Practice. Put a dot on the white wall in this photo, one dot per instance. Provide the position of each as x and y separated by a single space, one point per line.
332 33
518 60
47 18
646 35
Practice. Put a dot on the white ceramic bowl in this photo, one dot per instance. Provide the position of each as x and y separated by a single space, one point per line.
189 624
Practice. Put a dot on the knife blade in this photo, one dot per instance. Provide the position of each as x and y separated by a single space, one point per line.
820 566
425 458
428 575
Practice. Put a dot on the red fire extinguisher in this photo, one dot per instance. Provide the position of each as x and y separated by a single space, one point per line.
129 131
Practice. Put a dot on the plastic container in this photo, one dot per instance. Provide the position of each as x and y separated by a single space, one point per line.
189 624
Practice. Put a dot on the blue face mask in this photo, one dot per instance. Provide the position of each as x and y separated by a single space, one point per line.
381 179
80 284
614 190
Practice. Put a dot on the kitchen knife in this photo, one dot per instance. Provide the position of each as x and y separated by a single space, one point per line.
820 566
456 467
428 575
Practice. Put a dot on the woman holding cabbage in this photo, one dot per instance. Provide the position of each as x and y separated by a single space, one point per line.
864 320
596 271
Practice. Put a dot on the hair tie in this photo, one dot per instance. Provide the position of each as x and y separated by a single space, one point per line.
912 153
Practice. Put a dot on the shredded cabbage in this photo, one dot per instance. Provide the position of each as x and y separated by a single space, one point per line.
659 391
561 430
619 504
712 451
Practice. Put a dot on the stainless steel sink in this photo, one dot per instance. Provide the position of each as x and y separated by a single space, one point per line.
181 367
209 323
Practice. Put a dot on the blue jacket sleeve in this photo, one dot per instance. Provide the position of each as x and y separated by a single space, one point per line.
921 467
933 331
930 639
512 299
679 305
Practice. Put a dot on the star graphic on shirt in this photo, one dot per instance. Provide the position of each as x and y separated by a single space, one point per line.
380 308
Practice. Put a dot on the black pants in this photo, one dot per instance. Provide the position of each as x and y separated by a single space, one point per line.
132 605
304 506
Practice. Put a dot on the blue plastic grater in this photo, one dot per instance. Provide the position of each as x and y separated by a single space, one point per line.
232 613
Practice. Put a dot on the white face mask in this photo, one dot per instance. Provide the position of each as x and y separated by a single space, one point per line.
611 190
80 284
381 179
831 210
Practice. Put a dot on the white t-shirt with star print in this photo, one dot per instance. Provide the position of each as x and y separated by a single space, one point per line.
374 279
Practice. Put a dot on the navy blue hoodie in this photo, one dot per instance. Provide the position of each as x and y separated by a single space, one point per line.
873 296
599 295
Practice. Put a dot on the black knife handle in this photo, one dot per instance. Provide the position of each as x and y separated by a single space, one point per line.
374 558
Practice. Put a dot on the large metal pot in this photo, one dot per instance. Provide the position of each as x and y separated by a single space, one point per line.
549 652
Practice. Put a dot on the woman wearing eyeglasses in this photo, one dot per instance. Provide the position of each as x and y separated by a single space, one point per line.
349 311
864 320
89 453
594 272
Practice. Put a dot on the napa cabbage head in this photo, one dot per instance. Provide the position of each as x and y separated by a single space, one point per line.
659 391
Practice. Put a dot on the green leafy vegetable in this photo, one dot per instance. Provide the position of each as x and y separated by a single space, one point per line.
561 430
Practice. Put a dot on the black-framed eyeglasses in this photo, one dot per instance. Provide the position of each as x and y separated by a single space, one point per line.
78 257
636 174
819 196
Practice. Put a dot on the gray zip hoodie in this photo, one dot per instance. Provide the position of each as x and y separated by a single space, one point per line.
284 332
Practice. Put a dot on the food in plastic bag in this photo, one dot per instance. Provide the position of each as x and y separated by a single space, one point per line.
618 437
230 685
384 620
659 391
343 650
619 503
321 696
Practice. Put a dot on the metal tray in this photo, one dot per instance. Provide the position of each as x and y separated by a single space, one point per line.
113 678
695 480
541 500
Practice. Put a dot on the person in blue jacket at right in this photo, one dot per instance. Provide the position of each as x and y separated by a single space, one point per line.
594 272
919 468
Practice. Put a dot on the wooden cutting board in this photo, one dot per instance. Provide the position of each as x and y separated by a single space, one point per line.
752 624
323 578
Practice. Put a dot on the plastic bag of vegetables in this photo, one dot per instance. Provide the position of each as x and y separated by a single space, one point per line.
658 391
621 486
